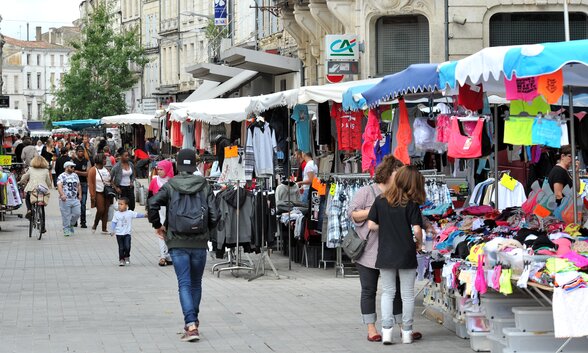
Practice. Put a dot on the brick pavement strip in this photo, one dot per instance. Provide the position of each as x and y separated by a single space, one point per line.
63 295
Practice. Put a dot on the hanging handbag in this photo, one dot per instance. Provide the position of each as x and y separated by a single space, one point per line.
108 189
353 245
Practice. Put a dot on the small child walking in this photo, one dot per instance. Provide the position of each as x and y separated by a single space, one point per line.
121 227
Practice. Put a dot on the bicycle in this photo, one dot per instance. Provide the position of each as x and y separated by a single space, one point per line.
37 220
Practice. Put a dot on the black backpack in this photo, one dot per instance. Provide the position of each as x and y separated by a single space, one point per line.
188 213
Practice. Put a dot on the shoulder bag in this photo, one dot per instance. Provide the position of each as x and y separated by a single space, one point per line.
108 189
353 245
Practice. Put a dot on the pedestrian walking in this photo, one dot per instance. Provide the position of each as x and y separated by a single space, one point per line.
28 152
37 174
123 178
190 203
82 165
70 195
397 218
165 171
98 182
122 222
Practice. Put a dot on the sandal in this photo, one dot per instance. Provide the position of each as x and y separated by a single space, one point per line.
162 262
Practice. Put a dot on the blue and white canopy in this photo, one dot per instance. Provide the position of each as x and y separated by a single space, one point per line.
417 78
491 65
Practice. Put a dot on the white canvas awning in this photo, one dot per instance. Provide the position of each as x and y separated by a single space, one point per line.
128 119
213 111
12 117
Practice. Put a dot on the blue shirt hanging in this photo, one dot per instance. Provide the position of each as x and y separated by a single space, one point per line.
302 118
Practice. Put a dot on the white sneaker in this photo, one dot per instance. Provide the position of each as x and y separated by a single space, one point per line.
387 335
406 337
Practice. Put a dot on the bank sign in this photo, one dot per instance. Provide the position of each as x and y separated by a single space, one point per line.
344 47
220 12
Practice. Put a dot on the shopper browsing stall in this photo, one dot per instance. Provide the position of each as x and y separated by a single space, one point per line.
398 215
366 264
309 173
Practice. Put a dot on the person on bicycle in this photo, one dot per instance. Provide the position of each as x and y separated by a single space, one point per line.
38 174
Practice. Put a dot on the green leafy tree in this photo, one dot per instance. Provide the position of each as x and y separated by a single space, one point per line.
100 71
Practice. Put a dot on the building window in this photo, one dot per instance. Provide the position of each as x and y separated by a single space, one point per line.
39 111
15 104
60 60
29 59
52 79
61 78
30 110
15 83
38 60
29 80
535 27
39 81
400 42
52 60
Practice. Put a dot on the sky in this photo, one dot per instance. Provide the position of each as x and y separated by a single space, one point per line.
45 13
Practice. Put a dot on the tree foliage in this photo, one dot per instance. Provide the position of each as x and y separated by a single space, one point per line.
101 70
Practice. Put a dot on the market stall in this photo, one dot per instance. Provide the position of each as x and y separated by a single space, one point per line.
535 255
134 128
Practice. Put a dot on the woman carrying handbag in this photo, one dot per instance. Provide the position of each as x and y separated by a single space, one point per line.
101 192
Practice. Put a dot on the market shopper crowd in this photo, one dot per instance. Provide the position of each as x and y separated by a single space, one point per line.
386 214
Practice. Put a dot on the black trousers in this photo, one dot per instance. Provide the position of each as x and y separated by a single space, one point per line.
368 277
124 246
129 193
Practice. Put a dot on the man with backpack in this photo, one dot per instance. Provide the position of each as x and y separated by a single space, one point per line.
190 204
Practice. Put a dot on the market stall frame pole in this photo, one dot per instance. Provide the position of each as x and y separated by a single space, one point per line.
572 123
496 155
574 169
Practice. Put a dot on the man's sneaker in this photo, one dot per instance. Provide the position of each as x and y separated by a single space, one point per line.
190 335
71 230
127 261
83 225
66 232
121 263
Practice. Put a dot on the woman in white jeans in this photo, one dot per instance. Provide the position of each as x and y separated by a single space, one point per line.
397 218
165 171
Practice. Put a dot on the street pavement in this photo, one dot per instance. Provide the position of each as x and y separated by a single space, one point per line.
62 295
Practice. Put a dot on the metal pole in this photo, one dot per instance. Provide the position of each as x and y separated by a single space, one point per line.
289 171
496 155
566 21
574 170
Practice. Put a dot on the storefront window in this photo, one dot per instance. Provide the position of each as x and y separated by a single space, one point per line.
535 27
400 42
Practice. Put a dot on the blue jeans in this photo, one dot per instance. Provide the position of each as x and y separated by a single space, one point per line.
84 187
124 246
189 266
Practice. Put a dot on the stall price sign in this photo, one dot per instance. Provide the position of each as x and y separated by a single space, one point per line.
5 160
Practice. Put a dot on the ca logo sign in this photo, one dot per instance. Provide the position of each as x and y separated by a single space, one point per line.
343 47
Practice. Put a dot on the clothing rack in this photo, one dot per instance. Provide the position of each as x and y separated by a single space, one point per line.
264 254
234 262
339 265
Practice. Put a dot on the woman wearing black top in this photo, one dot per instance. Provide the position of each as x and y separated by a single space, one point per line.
559 177
397 218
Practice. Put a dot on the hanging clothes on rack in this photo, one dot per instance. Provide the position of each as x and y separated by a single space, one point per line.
261 141
348 128
230 227
403 134
371 137
301 115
